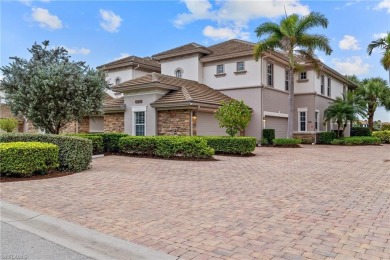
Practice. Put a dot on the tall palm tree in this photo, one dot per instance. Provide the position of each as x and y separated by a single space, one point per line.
376 93
383 44
292 37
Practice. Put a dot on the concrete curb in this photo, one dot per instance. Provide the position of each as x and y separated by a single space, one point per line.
77 238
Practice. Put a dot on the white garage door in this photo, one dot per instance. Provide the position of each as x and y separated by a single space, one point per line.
277 123
206 124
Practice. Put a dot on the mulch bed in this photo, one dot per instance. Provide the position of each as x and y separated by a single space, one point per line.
48 175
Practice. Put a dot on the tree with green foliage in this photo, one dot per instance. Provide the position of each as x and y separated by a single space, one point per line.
51 90
291 36
8 124
375 92
383 44
234 115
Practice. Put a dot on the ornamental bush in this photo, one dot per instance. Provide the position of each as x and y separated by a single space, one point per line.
166 146
385 127
383 135
26 158
75 153
231 145
357 140
360 131
286 142
326 137
8 124
97 142
111 141
269 135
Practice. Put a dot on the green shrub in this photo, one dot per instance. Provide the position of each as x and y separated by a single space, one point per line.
269 135
111 141
357 140
27 158
166 146
360 131
286 142
385 127
383 135
326 137
8 124
75 152
97 142
231 145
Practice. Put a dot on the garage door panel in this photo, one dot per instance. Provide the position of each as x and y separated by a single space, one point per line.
207 124
279 124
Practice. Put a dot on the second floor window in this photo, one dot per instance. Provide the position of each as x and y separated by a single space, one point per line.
329 87
322 84
270 74
240 66
220 69
303 76
287 80
178 73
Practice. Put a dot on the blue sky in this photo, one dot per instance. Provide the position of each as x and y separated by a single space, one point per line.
100 31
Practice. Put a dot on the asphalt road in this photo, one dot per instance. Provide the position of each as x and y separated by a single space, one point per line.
21 244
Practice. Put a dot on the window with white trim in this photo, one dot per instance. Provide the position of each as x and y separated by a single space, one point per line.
139 123
179 73
329 87
270 74
302 119
287 80
322 84
220 69
117 80
317 120
303 76
240 66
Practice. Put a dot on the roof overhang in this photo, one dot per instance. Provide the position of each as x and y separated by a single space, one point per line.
226 56
184 105
147 86
181 53
114 109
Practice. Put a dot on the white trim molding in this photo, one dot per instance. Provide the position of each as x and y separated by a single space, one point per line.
274 114
299 110
135 109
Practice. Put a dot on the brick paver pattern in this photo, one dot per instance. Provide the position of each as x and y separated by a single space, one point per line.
317 202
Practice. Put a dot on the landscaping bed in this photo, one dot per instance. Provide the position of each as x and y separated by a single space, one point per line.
48 175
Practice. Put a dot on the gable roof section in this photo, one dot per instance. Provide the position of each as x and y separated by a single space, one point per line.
113 104
229 49
189 48
146 63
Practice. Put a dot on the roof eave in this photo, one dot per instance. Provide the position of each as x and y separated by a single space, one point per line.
181 53
144 86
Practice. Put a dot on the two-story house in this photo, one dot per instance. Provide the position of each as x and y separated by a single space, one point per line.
195 80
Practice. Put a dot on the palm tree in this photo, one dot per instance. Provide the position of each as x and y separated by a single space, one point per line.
291 36
374 92
383 44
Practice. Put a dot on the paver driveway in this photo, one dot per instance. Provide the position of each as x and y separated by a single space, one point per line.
310 203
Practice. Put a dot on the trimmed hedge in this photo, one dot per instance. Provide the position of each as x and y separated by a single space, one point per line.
383 135
97 142
75 153
357 140
27 158
8 124
166 146
286 142
231 145
385 127
268 135
360 131
111 141
326 137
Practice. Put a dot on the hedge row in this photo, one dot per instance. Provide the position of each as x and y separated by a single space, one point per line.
286 142
383 135
326 137
26 158
75 153
166 146
231 145
268 136
104 142
97 142
360 131
357 140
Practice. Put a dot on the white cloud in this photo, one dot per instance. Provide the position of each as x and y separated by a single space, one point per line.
121 56
379 35
385 4
29 2
111 21
349 43
351 66
234 15
224 33
46 19
75 51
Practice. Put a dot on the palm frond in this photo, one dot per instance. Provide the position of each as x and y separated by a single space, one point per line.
314 19
382 43
268 28
385 60
270 43
311 58
315 41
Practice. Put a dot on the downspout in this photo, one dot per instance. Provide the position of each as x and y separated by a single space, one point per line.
134 71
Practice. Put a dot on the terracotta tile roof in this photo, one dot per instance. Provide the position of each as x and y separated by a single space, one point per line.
132 60
182 50
110 102
230 48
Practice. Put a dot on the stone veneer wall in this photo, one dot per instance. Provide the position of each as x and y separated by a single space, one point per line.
307 138
174 122
114 122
